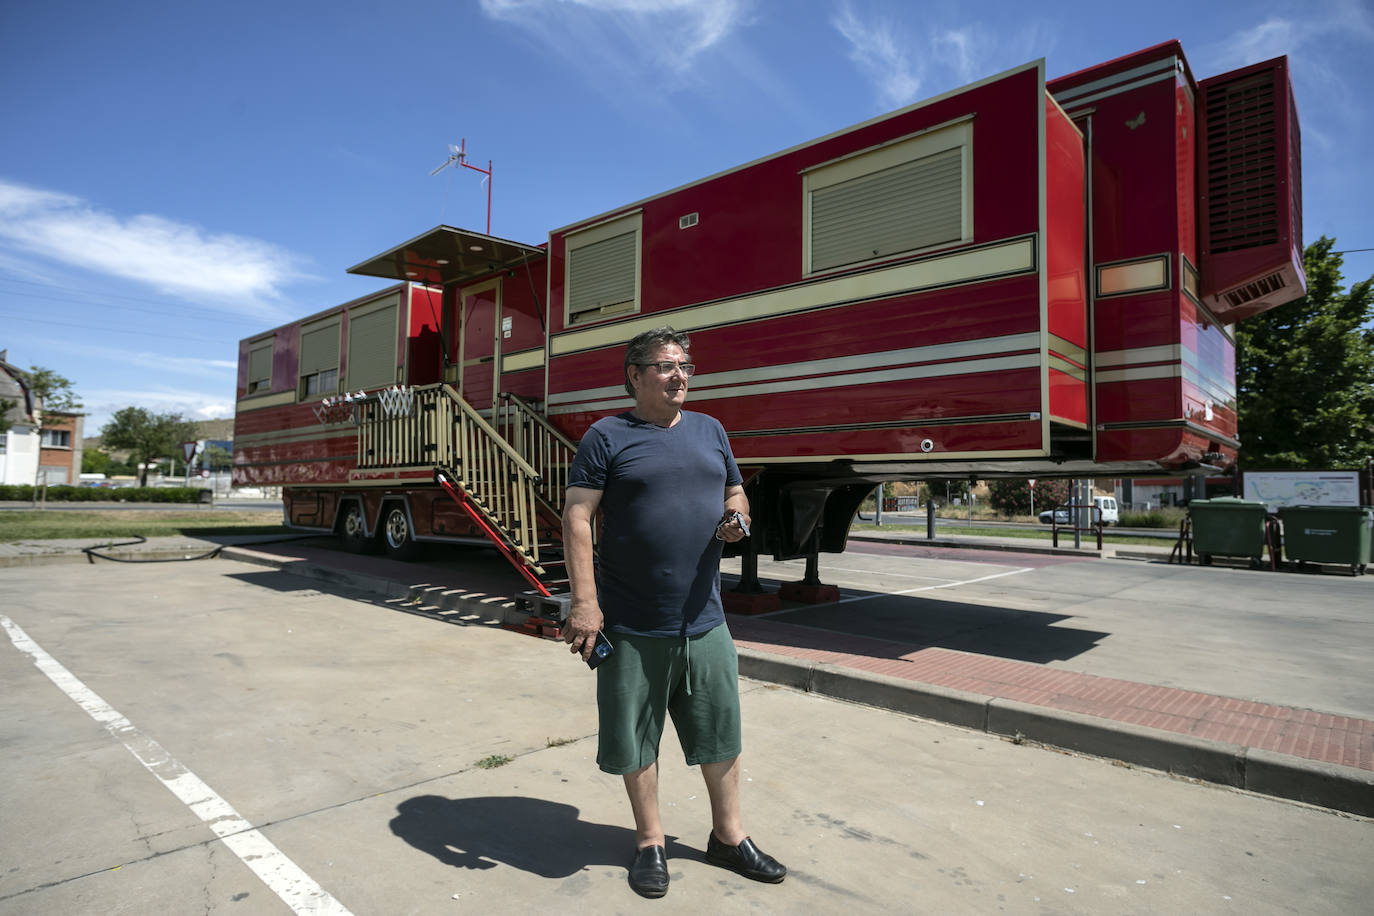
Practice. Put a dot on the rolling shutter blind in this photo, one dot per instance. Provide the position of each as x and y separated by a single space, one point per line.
319 348
372 349
602 274
909 206
260 367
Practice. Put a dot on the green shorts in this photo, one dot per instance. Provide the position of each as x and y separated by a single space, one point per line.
695 680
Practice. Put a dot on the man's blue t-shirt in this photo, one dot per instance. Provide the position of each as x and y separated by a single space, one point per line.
663 494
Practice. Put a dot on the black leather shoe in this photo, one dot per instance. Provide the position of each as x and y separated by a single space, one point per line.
745 859
649 873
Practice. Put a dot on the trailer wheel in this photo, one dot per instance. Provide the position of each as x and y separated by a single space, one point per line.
397 536
353 530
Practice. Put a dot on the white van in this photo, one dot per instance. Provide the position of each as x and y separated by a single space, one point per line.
1107 504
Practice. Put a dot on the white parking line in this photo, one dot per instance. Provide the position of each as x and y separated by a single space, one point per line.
926 588
284 877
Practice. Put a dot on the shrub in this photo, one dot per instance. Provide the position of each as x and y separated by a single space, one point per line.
1013 497
1155 518
64 493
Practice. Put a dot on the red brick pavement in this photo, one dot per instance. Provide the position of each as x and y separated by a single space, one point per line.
1282 729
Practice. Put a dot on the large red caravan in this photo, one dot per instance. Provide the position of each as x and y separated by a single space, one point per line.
1015 278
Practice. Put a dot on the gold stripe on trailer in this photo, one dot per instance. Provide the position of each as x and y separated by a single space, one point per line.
966 367
750 461
281 437
985 263
528 359
947 353
259 401
1071 351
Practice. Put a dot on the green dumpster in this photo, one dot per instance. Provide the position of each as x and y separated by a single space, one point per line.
1328 534
1228 527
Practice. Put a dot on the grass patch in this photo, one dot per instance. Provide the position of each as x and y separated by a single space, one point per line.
494 761
109 525
559 742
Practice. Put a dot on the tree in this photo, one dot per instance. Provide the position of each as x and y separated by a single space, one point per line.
1013 497
1305 373
94 461
216 458
53 391
147 436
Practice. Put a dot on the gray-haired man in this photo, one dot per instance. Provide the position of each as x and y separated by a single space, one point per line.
670 494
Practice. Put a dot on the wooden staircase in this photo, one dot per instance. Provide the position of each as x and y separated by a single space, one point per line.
507 474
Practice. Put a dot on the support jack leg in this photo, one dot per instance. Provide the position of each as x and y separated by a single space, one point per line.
748 597
810 590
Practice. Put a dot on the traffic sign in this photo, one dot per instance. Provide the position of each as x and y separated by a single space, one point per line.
1031 481
188 449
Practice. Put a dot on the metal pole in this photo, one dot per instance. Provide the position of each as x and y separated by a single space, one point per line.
930 518
878 512
1076 512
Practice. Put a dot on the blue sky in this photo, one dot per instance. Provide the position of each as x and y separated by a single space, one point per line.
175 176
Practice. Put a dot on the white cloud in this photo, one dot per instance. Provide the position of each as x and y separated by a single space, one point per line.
1305 37
102 403
875 50
653 35
908 62
170 256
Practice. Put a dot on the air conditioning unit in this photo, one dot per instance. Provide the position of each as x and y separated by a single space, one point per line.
1250 179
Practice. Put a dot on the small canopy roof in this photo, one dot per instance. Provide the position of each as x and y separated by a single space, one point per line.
445 255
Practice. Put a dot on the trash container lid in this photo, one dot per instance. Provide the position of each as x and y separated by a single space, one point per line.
1227 502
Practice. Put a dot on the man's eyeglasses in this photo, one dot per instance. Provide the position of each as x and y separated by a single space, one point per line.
670 368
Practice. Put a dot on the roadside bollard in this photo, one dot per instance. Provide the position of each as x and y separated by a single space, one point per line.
930 520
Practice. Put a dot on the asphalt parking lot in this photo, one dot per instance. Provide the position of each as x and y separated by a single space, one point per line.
245 741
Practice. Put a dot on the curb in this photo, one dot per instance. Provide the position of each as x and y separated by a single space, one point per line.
1253 769
131 556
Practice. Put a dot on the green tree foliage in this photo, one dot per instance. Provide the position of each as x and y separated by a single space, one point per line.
94 461
52 392
1305 373
147 436
1013 497
216 458
55 391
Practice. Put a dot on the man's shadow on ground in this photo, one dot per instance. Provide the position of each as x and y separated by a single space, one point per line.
541 837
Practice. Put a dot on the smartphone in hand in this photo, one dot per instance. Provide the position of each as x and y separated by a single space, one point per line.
601 650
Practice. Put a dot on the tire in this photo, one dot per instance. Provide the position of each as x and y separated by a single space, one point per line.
353 530
1205 558
397 536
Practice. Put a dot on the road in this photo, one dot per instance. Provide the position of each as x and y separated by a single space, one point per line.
334 744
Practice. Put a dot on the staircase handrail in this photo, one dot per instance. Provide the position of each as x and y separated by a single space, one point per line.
547 448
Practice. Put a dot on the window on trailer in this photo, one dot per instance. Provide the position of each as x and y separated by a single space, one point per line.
602 273
372 345
260 366
901 198
319 370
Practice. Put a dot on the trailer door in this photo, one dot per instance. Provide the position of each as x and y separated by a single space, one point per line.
479 343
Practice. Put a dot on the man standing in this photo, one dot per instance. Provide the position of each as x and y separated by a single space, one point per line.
661 477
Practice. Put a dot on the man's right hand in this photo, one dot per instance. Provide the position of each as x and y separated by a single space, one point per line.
579 630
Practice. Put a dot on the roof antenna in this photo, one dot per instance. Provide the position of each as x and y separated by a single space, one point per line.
458 156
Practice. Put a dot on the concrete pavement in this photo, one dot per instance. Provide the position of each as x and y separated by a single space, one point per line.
405 766
1293 751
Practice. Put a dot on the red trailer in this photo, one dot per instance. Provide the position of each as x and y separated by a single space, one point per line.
1016 278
